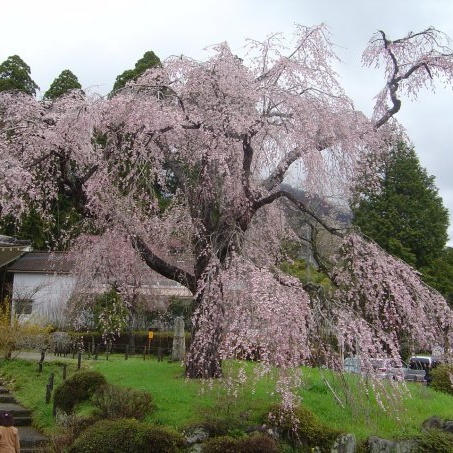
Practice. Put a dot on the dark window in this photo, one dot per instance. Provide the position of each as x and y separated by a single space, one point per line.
23 306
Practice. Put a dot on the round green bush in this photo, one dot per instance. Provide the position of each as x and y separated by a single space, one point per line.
80 387
119 402
442 377
258 443
222 444
126 436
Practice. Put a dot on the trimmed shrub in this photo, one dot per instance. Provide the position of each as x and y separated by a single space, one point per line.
434 441
442 378
256 443
303 428
222 444
80 387
126 436
117 402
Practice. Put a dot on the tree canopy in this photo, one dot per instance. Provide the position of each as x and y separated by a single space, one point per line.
15 75
404 213
149 60
230 130
65 82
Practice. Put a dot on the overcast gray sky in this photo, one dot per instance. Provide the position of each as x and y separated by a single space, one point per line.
99 39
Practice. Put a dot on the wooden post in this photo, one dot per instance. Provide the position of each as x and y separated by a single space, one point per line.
65 366
51 378
79 359
126 354
48 393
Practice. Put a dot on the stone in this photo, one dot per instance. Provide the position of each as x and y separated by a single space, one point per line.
196 435
378 445
433 422
448 426
346 443
179 341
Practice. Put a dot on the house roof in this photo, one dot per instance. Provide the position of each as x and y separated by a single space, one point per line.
11 249
43 262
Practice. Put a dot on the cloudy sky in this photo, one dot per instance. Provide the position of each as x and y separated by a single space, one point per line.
99 39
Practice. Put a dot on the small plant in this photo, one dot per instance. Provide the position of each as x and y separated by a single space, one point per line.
442 379
70 427
126 436
17 334
117 402
80 387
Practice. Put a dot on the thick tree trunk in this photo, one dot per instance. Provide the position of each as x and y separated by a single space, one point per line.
203 359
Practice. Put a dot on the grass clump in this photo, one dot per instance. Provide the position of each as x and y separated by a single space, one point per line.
126 436
79 388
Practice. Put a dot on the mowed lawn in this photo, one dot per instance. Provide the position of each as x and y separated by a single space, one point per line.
339 401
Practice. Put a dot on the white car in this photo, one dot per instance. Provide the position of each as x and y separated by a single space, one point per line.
381 368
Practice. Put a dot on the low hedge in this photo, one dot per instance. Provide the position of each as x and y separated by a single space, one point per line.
127 436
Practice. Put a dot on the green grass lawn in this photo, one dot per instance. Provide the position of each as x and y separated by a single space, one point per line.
339 401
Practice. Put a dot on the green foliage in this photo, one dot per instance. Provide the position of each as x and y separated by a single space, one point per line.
126 436
301 427
110 314
306 273
442 378
258 443
80 387
118 402
439 274
434 441
46 233
222 444
65 82
149 60
15 75
405 215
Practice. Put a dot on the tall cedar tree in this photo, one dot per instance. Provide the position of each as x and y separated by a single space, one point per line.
149 60
65 82
404 214
15 75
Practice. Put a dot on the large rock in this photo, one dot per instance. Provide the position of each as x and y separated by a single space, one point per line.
378 445
346 443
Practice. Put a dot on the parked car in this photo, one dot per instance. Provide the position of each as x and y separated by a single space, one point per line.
381 368
414 375
388 369
419 368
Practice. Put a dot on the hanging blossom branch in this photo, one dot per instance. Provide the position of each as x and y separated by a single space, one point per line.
410 63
